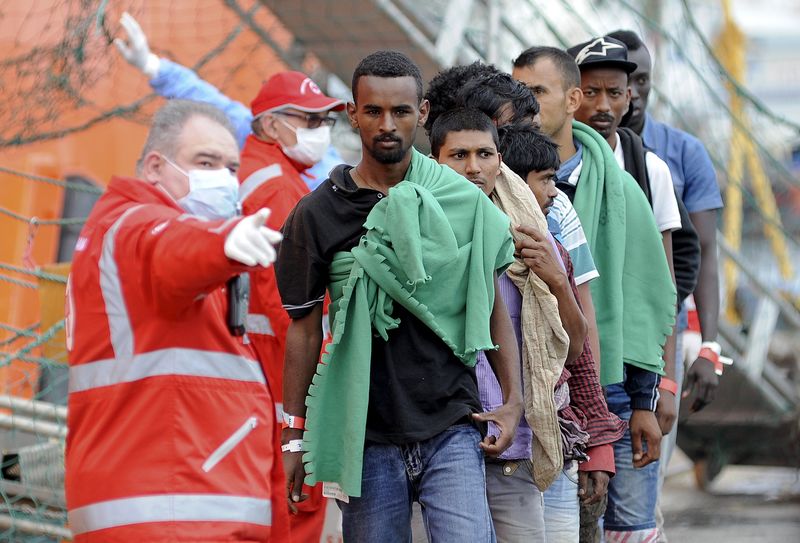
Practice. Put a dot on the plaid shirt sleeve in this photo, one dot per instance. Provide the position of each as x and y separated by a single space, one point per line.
587 404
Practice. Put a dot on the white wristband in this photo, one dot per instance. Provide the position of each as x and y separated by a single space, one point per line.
294 445
713 345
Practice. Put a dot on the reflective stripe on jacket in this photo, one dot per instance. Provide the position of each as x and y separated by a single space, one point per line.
171 426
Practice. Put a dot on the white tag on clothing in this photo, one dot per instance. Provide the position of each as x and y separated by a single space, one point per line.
333 490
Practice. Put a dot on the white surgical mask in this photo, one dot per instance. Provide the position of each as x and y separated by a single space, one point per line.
213 194
311 146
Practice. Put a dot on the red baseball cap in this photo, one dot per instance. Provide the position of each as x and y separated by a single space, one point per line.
295 90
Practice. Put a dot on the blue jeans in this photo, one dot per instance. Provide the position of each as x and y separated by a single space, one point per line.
445 474
561 507
632 492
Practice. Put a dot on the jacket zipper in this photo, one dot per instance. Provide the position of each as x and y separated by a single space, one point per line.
229 444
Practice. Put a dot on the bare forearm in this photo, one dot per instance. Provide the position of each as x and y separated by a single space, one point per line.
303 344
505 360
670 344
571 318
585 295
706 294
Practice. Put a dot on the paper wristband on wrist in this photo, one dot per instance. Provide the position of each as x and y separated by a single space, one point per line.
294 445
709 354
669 385
293 422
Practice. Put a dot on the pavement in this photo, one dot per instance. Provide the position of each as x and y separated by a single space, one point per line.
743 504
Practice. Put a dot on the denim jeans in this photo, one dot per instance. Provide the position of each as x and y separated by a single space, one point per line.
516 504
561 507
445 474
632 492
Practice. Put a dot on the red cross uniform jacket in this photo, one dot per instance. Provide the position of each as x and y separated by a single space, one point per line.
269 179
172 432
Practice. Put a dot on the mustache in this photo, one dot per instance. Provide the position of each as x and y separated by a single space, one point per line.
385 138
602 117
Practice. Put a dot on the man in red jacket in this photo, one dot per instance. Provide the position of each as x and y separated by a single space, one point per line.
291 132
172 431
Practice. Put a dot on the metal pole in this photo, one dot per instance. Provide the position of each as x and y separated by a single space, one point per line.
34 407
32 426
493 33
31 527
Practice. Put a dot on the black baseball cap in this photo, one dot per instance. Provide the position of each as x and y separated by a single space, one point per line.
602 52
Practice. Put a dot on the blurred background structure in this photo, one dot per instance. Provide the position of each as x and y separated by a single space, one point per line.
73 113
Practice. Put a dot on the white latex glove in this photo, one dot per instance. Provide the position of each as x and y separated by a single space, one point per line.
250 242
136 51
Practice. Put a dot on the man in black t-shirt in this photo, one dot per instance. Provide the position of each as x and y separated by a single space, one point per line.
422 436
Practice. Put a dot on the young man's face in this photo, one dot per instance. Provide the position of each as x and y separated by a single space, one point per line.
387 116
543 185
606 97
474 155
545 81
640 85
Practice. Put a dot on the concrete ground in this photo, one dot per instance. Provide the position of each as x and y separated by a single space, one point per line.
743 504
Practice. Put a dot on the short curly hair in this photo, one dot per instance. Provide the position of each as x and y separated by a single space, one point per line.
444 87
387 64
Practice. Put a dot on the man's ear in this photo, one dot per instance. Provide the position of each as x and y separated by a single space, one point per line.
153 166
574 99
424 110
351 115
268 126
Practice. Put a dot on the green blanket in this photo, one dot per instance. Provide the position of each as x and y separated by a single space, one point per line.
432 246
634 297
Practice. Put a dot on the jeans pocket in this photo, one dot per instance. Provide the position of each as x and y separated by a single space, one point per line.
571 472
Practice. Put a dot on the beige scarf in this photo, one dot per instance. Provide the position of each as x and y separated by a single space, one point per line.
544 341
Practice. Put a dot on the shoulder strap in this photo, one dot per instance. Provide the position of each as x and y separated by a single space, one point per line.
634 152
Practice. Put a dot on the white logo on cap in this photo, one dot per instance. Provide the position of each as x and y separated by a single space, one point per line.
307 84
587 52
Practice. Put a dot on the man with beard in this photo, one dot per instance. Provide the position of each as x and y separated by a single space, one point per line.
409 252
604 67
634 316
696 185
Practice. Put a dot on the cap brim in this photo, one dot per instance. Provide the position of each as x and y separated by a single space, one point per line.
313 105
624 65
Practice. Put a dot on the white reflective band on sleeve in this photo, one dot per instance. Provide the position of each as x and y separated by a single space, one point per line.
279 411
190 362
119 324
258 324
256 179
170 508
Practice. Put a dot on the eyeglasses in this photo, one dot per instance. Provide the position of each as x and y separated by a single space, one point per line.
312 121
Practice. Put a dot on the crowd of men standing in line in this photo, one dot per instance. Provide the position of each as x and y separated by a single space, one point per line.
506 352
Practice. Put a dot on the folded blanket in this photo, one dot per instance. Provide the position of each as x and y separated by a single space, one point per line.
634 297
544 341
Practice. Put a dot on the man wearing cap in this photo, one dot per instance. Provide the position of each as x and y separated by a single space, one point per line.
634 296
696 185
604 67
171 80
286 132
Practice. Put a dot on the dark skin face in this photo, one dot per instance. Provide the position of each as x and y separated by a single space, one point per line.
387 116
474 155
543 185
640 87
606 97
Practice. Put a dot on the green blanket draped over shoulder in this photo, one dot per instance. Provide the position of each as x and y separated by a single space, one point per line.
634 297
432 246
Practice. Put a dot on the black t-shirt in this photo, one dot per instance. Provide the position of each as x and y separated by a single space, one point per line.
418 387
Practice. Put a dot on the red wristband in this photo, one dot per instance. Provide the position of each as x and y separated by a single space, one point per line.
709 354
293 422
669 385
